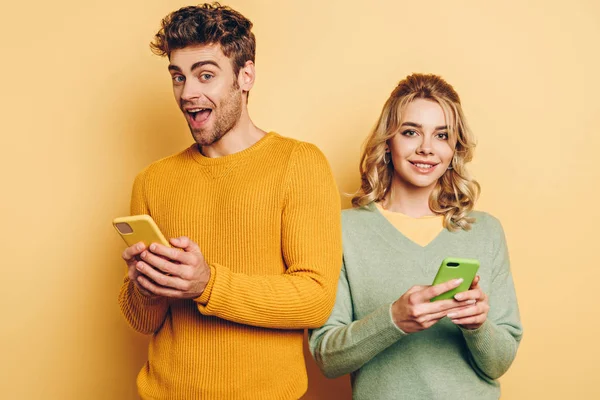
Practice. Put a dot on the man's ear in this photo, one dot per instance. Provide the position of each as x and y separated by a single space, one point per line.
246 76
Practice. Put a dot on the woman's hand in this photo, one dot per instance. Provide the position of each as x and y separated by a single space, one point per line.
414 312
473 316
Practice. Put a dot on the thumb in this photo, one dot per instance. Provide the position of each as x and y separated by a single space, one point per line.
416 288
475 282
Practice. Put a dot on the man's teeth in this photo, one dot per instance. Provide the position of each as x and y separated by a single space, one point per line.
195 110
424 165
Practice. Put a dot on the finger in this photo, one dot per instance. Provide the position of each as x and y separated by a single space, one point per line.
164 262
156 289
132 251
432 317
473 320
469 311
458 309
476 294
161 279
445 305
427 320
165 276
185 243
432 291
475 282
158 262
416 288
132 272
171 253
439 309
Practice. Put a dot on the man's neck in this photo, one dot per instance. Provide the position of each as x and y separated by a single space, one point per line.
242 136
234 141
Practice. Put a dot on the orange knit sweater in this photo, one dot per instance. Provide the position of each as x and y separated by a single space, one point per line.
267 220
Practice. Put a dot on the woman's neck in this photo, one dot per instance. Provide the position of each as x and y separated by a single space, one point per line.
407 199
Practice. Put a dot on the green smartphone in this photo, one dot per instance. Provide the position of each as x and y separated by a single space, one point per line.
453 268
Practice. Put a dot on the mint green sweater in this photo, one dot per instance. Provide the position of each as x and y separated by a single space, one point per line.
442 362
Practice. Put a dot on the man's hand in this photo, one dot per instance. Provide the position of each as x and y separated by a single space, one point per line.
131 255
171 272
413 311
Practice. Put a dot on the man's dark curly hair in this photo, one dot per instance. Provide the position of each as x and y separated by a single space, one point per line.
209 23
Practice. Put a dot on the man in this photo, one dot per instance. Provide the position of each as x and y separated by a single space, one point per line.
255 222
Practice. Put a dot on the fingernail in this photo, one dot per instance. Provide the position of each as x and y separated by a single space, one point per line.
458 296
472 301
451 315
144 254
152 247
458 281
138 266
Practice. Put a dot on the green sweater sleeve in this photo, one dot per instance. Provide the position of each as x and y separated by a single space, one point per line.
493 346
342 345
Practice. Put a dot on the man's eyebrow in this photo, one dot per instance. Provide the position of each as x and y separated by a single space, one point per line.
195 66
202 63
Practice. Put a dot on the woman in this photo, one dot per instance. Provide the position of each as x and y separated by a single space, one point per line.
415 208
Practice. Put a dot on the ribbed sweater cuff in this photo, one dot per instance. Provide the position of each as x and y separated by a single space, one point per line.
205 296
372 335
380 328
145 301
481 339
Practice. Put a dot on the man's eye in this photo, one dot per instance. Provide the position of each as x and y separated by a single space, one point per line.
206 77
178 79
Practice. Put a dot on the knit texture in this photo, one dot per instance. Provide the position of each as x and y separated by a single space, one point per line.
442 362
267 220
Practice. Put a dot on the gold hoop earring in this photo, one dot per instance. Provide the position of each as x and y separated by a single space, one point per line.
450 167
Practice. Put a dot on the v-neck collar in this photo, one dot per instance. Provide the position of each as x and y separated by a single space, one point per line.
393 236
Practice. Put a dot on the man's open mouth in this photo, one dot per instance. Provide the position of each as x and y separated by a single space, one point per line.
198 114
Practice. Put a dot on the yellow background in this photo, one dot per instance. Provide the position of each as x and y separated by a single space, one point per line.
85 106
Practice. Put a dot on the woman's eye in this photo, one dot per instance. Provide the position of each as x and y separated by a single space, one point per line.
443 136
409 132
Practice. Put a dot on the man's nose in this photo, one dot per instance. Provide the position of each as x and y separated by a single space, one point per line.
191 90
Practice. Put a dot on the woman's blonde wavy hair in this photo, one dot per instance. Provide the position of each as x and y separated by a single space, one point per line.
455 192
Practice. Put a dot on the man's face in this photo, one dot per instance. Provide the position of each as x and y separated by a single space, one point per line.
207 91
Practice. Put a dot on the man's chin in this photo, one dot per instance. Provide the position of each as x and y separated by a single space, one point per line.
204 138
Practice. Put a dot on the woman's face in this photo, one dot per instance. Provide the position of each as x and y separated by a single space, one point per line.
421 151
